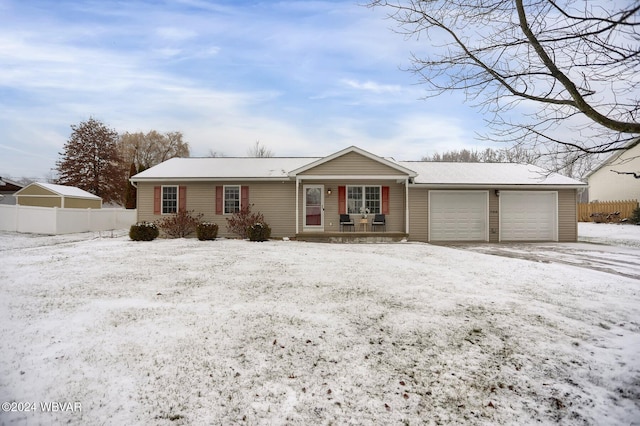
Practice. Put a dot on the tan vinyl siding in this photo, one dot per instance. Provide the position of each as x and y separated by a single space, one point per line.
567 215
275 200
37 190
53 201
418 214
352 164
79 203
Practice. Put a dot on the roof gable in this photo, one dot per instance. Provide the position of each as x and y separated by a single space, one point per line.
353 161
631 152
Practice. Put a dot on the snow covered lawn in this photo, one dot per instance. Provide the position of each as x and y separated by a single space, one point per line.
189 332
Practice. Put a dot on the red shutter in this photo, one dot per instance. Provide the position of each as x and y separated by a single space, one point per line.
385 200
219 200
182 199
342 199
244 197
157 191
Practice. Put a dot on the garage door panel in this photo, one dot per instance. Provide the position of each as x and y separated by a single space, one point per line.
458 215
528 216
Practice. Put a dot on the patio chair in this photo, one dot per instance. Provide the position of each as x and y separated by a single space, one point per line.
379 220
345 220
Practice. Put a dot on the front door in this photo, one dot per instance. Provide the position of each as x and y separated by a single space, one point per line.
314 207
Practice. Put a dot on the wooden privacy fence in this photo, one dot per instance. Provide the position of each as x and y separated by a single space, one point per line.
605 211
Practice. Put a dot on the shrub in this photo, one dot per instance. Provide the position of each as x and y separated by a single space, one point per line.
144 231
259 232
207 231
179 225
635 216
240 222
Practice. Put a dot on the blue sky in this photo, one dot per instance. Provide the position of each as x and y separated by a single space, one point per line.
305 78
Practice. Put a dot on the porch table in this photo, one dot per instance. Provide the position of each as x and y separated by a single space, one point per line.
363 224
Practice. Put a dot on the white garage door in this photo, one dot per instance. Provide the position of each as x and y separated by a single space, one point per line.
528 216
458 215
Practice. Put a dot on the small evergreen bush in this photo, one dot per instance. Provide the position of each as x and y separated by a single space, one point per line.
240 221
259 232
179 225
635 216
207 231
144 231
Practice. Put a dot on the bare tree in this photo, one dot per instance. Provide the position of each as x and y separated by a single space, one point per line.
91 161
214 154
488 155
575 64
258 150
147 150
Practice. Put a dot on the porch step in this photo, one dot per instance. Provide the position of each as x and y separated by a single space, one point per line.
351 237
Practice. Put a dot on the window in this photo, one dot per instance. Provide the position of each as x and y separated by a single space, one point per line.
360 198
169 199
231 199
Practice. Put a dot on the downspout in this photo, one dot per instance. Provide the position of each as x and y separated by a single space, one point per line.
406 205
297 207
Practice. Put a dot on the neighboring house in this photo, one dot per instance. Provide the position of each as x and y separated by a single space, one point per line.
618 177
421 201
51 195
7 189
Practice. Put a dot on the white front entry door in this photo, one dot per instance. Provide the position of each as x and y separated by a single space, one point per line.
314 207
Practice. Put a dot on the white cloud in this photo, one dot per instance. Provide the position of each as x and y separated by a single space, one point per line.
371 86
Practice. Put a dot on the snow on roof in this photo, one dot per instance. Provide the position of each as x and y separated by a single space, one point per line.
224 167
67 191
485 174
437 173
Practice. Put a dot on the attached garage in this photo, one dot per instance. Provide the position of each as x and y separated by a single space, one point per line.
458 215
528 215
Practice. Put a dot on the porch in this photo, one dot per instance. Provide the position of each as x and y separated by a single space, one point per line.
351 237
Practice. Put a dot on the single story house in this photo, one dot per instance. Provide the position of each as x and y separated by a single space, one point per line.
7 190
51 195
421 201
617 178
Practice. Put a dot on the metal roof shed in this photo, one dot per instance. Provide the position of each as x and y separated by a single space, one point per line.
51 195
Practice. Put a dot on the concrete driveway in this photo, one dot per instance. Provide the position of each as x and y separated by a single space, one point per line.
623 261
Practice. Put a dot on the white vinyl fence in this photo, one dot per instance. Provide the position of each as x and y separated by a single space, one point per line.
55 221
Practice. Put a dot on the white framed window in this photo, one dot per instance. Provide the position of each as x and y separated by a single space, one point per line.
169 199
361 198
232 199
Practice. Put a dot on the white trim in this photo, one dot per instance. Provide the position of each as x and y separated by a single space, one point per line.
313 228
364 200
556 214
224 199
486 212
162 187
477 186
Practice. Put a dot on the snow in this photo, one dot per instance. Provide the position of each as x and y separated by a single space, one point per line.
485 174
67 191
224 168
285 332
